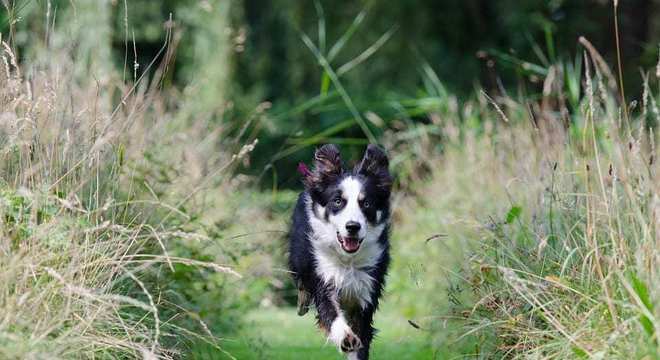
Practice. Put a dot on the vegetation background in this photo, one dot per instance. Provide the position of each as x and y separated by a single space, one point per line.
148 168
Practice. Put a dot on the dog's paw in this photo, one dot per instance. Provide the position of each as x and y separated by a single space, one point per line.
304 299
342 335
350 343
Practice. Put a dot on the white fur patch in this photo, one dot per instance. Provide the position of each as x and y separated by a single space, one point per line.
352 355
338 330
351 189
347 272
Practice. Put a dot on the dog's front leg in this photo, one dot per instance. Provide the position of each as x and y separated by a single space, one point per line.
333 321
364 329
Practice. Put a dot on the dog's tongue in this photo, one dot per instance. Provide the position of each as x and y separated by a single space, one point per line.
351 244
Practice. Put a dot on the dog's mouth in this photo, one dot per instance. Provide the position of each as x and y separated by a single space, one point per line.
349 244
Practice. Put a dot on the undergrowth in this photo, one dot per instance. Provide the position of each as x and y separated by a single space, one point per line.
91 217
565 207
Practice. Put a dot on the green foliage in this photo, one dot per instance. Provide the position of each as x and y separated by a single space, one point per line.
642 291
514 43
513 214
381 53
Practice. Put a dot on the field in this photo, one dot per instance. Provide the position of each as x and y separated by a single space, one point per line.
144 216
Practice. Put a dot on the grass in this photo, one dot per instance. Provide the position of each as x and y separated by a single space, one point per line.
565 265
88 209
279 333
65 249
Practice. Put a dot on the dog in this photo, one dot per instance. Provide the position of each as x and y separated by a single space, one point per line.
339 246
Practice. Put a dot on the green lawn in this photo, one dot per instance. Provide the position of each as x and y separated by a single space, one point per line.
281 334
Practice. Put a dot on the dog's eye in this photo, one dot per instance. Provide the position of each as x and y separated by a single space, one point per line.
366 204
338 202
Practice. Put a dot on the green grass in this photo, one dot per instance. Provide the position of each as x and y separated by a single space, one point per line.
279 333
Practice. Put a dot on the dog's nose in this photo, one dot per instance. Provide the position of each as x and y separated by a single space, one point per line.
353 227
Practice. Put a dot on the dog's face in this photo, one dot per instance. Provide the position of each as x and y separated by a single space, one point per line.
353 205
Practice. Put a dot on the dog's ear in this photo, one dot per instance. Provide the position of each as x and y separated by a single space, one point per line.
327 167
375 164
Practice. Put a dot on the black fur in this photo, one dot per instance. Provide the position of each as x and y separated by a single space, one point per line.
320 186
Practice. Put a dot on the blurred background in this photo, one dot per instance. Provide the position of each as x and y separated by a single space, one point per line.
209 105
240 57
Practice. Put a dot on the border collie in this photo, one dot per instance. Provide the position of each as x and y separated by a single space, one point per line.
338 245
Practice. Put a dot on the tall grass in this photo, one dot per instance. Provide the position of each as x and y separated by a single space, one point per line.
565 203
85 223
65 249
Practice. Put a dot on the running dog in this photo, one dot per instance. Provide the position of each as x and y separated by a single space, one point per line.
339 247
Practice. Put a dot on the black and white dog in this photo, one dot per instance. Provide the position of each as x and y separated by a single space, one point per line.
338 245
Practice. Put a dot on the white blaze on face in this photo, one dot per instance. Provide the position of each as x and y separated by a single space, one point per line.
351 190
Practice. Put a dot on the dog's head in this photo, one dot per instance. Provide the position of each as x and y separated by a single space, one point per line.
354 204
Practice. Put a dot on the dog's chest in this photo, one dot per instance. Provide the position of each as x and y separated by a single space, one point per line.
350 278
